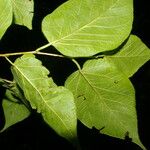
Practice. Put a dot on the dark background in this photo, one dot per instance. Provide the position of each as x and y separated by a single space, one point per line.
33 133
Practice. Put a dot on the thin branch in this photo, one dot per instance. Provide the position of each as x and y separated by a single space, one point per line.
37 52
43 47
31 52
15 54
9 60
77 64
48 54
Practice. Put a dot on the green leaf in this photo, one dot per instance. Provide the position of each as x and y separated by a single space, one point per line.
105 99
14 111
19 10
23 12
56 104
62 105
131 57
5 16
84 27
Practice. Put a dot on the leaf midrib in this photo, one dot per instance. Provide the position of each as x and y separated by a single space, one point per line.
127 56
84 26
42 98
111 111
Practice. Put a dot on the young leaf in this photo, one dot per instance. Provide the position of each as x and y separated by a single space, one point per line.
23 12
5 16
14 111
131 57
84 27
56 104
105 99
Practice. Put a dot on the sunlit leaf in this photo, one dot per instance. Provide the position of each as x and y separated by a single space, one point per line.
56 104
131 57
87 27
105 99
5 15
14 110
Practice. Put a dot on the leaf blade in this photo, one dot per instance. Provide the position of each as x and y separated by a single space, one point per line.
6 16
131 57
61 100
83 27
23 12
105 99
14 111
40 91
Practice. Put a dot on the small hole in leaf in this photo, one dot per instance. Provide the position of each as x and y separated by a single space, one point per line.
101 128
81 96
127 138
116 82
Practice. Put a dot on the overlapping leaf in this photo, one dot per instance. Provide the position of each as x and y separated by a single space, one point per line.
19 10
14 110
56 104
131 57
84 27
105 99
